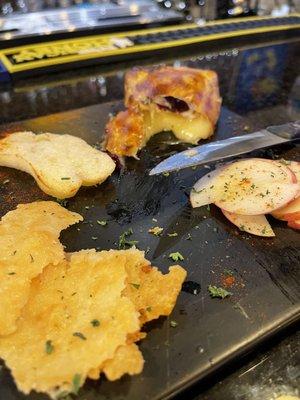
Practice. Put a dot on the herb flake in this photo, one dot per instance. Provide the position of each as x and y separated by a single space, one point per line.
76 383
123 242
62 202
156 230
95 323
79 335
49 348
176 256
102 223
218 292
135 285
228 272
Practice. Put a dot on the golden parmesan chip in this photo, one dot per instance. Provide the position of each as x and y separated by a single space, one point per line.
75 320
132 360
29 241
152 293
127 360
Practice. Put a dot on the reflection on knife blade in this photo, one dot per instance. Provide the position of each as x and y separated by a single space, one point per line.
218 150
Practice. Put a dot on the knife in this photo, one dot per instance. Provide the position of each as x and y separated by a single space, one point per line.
231 147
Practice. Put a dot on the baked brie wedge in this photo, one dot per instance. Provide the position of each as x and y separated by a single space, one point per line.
183 100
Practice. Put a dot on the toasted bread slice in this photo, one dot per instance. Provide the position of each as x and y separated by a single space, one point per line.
60 164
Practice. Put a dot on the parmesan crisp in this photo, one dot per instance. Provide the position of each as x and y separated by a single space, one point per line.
29 241
64 301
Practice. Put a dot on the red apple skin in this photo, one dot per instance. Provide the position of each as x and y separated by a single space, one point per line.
294 224
286 214
292 216
295 167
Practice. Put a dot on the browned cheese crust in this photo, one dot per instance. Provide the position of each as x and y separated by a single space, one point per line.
183 91
124 133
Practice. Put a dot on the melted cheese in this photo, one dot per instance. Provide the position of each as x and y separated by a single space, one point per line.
185 128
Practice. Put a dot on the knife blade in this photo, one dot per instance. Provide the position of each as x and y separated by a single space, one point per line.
230 147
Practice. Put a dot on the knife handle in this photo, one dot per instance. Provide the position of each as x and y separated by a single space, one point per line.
290 131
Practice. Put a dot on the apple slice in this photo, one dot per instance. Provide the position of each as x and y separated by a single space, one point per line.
290 212
255 224
202 192
294 224
254 186
295 167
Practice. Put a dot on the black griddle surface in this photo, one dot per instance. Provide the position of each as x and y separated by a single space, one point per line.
210 332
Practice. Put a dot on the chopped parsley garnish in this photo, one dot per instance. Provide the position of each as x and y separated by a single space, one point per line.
244 180
176 256
49 347
79 335
102 223
173 234
219 292
11 273
65 178
95 323
166 173
284 162
173 324
123 242
62 202
135 285
76 383
197 191
149 309
208 207
156 230
228 272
